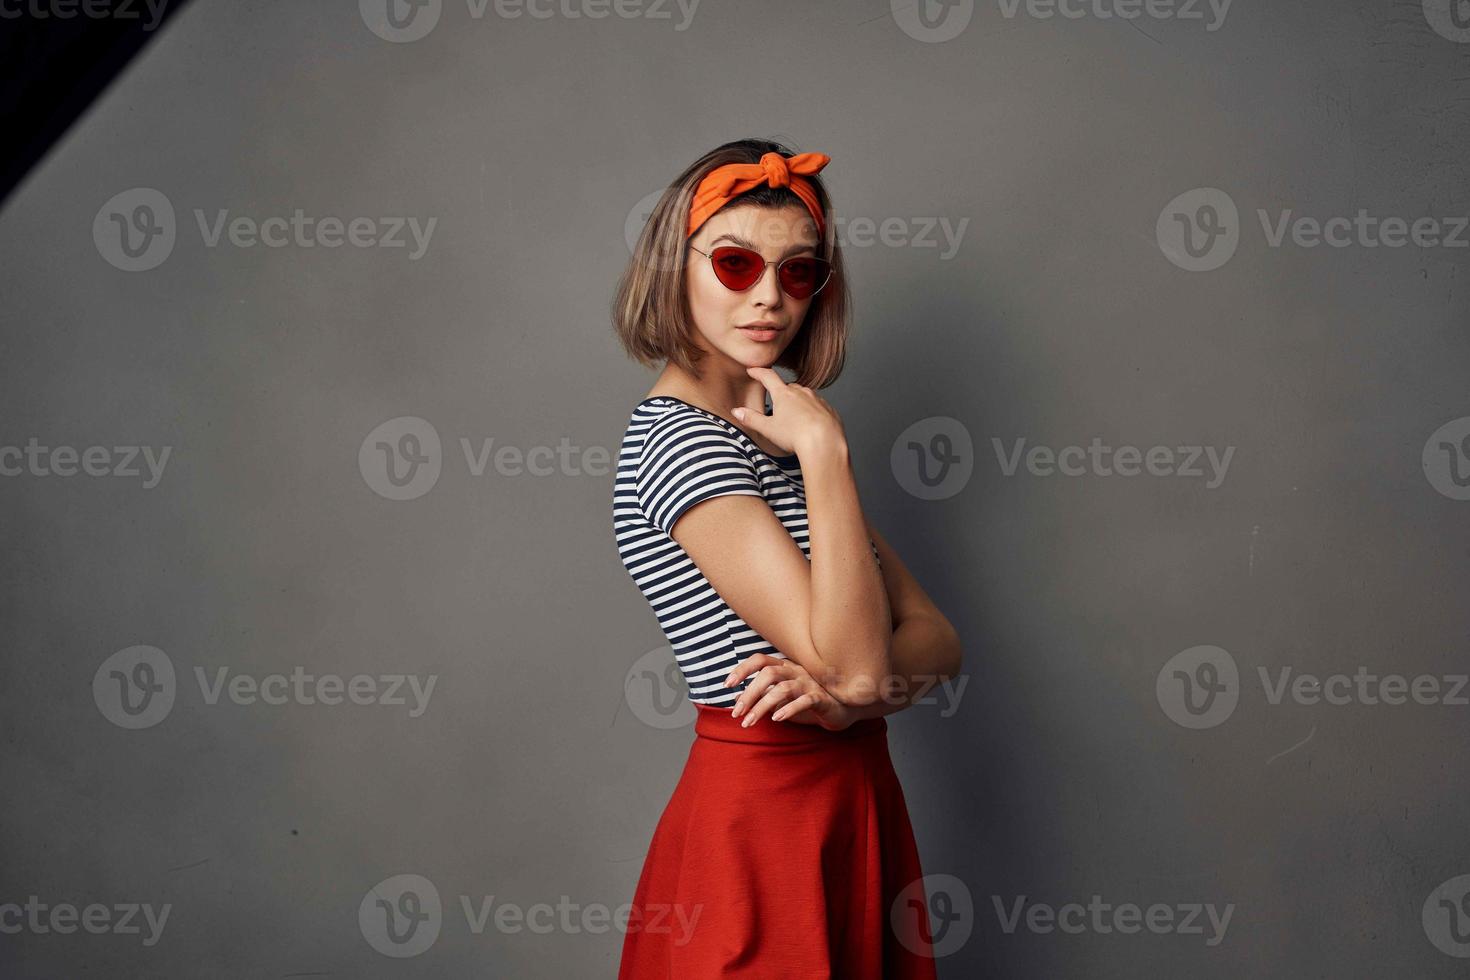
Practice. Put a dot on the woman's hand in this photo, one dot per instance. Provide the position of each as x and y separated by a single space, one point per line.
783 688
800 422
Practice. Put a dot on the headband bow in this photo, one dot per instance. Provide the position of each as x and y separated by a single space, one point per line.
723 184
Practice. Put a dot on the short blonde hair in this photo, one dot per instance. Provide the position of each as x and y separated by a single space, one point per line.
651 313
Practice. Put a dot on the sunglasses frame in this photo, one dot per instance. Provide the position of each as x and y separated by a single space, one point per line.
766 264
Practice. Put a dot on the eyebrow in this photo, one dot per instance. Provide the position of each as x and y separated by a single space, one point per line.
798 247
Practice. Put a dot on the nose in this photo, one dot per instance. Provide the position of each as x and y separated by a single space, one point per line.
767 289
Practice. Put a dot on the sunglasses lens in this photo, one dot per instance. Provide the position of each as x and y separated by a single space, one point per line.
737 268
740 268
801 277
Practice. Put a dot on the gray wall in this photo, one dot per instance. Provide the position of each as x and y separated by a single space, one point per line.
1082 759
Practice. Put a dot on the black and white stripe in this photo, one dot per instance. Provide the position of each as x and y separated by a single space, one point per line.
674 455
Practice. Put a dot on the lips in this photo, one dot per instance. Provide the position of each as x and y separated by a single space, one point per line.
760 331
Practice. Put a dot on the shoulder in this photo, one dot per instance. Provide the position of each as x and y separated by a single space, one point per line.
676 427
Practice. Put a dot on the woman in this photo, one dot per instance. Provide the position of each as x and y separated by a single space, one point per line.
786 844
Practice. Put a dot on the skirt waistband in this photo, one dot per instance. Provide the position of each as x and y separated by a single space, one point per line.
718 724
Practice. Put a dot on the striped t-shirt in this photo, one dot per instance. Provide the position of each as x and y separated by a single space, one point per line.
673 456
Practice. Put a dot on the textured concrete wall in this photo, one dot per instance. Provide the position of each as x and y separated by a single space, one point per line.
250 680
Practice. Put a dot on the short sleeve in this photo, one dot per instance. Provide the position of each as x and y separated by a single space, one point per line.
687 458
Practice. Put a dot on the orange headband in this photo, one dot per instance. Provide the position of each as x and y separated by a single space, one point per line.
723 184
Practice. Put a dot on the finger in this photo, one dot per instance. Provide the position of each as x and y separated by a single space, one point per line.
758 686
777 695
794 706
749 666
768 377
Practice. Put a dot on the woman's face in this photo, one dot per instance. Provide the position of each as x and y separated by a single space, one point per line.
723 318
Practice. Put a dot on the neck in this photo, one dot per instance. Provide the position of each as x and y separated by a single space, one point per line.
718 391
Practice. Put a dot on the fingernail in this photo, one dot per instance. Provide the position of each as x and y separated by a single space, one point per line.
728 679
746 722
739 413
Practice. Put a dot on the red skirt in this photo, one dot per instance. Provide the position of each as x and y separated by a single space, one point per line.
782 854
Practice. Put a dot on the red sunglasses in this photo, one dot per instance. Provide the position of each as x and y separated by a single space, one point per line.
800 276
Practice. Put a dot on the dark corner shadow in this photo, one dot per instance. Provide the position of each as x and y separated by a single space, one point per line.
56 65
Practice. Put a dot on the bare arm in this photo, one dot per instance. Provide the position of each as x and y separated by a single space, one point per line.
851 617
752 561
925 646
831 614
